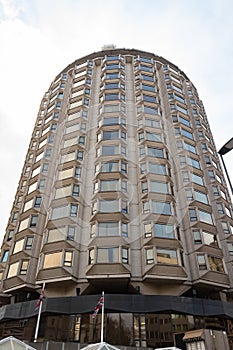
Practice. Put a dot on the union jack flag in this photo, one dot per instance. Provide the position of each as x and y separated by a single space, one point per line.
98 306
39 301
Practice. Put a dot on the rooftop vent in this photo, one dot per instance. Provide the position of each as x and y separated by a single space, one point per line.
108 47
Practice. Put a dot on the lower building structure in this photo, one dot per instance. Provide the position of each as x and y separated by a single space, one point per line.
121 191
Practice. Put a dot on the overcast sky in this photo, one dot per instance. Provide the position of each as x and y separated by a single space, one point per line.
38 38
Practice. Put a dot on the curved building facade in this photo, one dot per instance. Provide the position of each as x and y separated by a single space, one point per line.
121 191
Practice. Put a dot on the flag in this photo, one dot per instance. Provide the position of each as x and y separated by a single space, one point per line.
98 306
39 301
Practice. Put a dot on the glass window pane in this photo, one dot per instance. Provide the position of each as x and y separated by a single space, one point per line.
205 217
159 187
109 206
107 255
108 228
161 208
167 256
57 234
164 230
52 260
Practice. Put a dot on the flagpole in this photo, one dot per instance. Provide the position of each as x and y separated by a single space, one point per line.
102 321
38 317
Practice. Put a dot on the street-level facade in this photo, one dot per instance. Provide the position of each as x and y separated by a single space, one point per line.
121 190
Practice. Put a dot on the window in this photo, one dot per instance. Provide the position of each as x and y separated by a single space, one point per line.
205 217
110 86
111 135
152 123
164 230
70 233
155 152
109 206
201 197
144 185
75 190
28 243
181 109
64 211
77 171
220 208
109 185
158 169
41 184
197 237
109 167
207 159
37 202
230 247
215 191
148 87
187 134
18 246
52 260
146 207
108 229
107 255
125 255
81 140
45 168
28 205
148 230
33 221
111 108
10 235
63 174
62 192
15 216
153 137
111 97
190 148
226 228
182 160
193 162
197 179
32 187
24 267
161 208
91 256
111 121
56 234
112 75
13 269
215 263
68 259
5 255
149 98
149 256
150 110
209 239
159 187
201 261
109 150
192 215
80 155
185 176
73 210
167 256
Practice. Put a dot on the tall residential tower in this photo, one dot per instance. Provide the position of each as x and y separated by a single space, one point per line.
121 191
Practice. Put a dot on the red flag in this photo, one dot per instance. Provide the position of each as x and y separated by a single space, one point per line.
39 301
98 307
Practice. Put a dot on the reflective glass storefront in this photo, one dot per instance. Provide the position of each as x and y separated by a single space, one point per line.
125 329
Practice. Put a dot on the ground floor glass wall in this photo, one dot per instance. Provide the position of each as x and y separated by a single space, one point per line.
138 330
